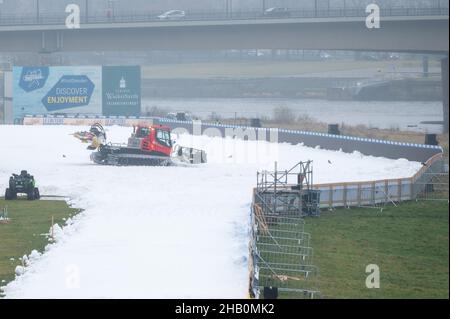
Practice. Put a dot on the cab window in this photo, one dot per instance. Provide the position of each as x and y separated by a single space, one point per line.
163 138
143 132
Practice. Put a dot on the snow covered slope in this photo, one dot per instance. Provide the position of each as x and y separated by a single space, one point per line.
156 232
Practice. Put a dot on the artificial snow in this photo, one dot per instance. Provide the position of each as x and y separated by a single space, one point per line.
156 232
34 255
20 270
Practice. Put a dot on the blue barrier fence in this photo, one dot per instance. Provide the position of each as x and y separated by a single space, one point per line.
349 144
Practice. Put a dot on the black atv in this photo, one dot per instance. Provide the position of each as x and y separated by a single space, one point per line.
24 184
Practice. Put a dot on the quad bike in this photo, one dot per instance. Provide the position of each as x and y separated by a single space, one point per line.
23 183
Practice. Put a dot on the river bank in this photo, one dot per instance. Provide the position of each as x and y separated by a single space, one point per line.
333 88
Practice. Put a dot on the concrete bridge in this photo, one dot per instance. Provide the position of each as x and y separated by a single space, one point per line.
398 33
407 30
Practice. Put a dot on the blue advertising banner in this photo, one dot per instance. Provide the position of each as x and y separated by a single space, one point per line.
71 91
109 90
65 90
33 78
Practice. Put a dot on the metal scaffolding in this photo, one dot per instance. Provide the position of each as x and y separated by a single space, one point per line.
281 255
433 183
289 192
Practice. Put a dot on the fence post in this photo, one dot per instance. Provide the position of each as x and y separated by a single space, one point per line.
345 195
386 191
411 188
359 194
373 193
330 197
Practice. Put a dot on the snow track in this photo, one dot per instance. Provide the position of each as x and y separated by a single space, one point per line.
156 232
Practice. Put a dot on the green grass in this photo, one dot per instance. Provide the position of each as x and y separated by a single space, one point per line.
409 243
29 221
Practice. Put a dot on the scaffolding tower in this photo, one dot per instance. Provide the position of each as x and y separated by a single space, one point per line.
289 192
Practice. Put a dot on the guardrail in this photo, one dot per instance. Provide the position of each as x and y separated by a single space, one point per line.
59 19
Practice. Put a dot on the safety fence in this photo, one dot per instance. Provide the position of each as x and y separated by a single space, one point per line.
431 181
348 144
281 256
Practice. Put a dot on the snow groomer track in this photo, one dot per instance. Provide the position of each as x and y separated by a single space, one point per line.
157 232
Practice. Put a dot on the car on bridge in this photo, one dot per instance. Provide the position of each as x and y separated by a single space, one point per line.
277 13
172 15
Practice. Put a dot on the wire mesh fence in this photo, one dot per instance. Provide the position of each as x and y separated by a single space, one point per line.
280 249
434 187
282 255
432 183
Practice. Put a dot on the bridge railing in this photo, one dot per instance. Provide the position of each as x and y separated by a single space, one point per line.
124 17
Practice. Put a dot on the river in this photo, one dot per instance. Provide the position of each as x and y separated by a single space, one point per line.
405 116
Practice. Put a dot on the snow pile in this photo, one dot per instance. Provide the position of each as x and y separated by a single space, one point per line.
156 232
56 233
20 270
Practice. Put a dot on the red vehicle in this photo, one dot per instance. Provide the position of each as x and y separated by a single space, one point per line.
154 139
148 145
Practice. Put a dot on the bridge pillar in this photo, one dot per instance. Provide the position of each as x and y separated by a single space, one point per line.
425 66
444 71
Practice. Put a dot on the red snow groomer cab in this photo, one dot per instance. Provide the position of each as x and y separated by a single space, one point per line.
150 146
154 139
